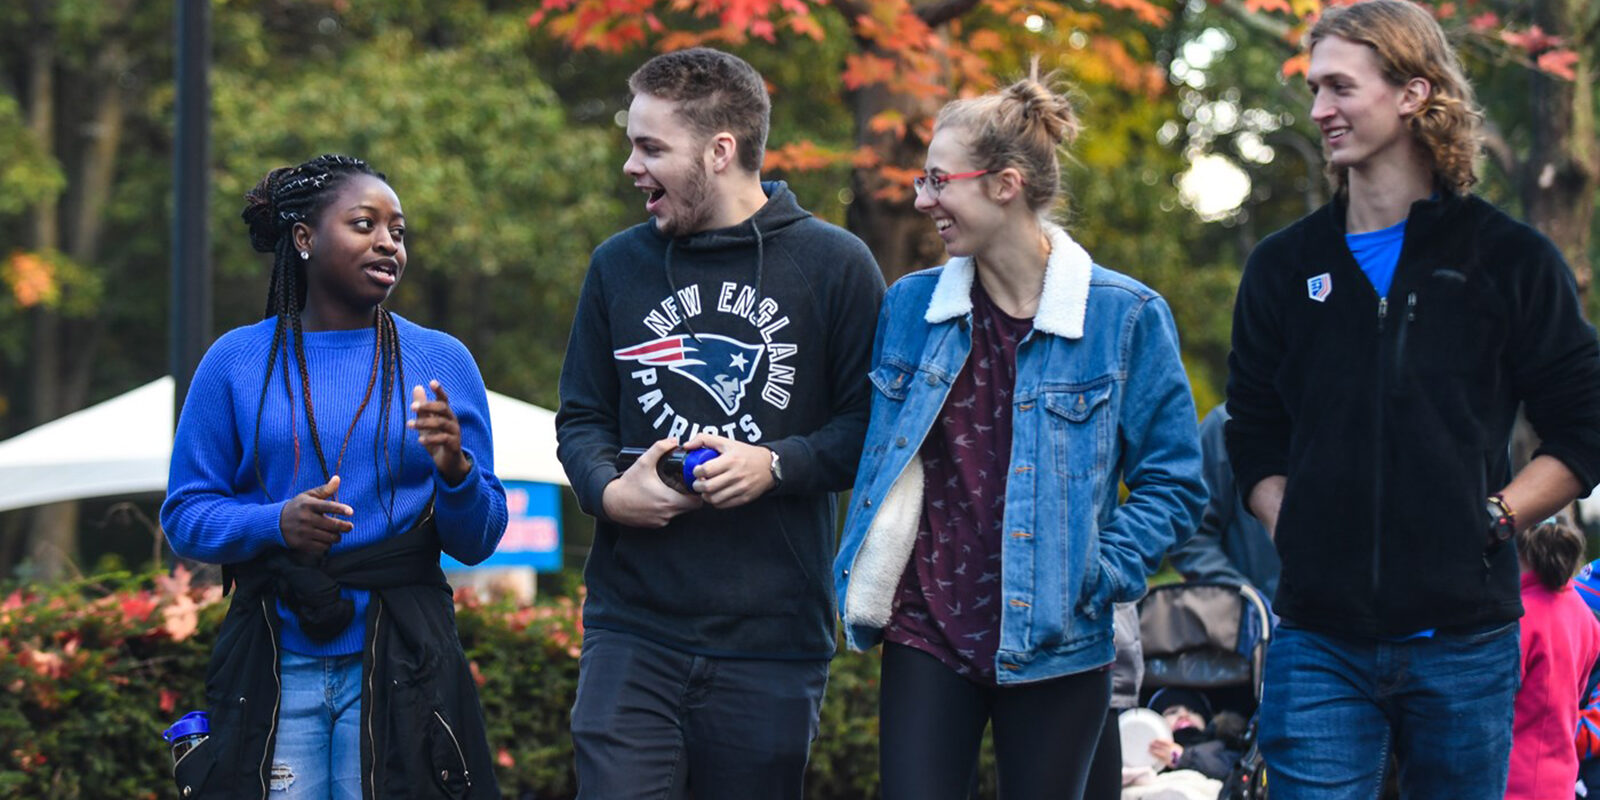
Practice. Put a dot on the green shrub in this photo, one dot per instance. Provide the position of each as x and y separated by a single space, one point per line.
93 671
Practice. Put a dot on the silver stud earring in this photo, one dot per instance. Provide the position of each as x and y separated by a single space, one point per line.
305 255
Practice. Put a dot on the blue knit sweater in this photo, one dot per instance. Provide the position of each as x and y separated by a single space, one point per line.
223 505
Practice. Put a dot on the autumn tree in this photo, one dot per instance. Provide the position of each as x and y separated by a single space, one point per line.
1533 64
906 59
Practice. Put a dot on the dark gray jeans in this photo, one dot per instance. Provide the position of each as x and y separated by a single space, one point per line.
654 722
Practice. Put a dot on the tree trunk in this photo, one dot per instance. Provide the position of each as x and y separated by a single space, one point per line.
901 238
52 541
63 349
11 536
97 160
1558 180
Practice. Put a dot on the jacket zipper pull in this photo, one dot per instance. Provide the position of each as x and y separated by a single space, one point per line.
1383 312
1411 307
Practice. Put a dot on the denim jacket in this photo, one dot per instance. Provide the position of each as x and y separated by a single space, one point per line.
1101 399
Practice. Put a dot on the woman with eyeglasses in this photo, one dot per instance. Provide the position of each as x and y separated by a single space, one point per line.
1016 388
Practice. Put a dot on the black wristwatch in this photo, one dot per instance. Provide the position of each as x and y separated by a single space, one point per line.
1502 520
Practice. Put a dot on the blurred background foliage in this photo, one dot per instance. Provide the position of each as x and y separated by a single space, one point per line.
100 667
504 142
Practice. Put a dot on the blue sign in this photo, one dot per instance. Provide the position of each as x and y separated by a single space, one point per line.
533 532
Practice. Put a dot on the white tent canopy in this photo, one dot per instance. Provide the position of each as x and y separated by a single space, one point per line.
122 446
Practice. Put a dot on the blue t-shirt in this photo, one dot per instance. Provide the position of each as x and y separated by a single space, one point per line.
1378 252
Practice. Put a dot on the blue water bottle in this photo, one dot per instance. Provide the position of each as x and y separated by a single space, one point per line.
187 733
676 468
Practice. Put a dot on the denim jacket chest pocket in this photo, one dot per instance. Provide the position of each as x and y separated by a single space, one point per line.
1080 426
891 383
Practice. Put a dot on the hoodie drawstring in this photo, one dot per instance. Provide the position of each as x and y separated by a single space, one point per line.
761 258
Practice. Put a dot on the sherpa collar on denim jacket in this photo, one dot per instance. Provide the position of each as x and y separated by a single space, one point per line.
1062 306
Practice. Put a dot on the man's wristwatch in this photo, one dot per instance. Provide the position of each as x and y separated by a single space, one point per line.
1502 519
777 469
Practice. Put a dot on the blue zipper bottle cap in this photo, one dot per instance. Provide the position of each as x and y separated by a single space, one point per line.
192 723
695 458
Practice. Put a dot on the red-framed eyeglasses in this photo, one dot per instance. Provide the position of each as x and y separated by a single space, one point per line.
935 183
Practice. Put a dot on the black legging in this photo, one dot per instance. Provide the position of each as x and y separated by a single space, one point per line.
932 724
1105 774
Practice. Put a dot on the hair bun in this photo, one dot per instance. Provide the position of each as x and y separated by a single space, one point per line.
1042 105
261 212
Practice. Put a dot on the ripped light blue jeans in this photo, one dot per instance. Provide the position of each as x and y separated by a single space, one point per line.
1334 707
318 751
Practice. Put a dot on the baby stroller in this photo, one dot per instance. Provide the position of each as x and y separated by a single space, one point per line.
1211 637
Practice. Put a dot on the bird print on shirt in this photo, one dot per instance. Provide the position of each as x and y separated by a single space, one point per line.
949 600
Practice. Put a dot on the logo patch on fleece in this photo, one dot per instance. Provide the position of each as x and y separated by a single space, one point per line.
1319 287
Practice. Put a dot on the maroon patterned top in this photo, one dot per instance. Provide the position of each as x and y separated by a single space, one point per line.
948 603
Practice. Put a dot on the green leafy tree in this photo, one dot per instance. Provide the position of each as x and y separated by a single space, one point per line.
506 194
75 73
504 199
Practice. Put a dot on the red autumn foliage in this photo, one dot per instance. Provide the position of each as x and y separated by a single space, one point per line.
1147 12
1485 22
915 53
1268 6
1560 63
1534 40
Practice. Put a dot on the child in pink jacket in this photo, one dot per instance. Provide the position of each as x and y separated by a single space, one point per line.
1560 643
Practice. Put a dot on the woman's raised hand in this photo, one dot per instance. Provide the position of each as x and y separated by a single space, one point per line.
439 431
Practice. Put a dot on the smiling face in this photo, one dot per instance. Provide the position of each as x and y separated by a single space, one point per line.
1361 114
1180 716
965 216
358 253
669 164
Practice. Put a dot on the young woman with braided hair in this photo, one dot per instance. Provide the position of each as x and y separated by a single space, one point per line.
337 672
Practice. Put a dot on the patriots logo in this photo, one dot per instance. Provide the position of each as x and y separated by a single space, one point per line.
1319 287
718 364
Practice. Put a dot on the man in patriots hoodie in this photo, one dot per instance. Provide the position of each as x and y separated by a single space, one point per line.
732 320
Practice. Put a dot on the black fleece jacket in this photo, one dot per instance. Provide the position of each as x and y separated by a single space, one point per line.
761 332
1392 417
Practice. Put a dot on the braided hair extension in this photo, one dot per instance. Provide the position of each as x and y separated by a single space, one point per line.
285 197
394 382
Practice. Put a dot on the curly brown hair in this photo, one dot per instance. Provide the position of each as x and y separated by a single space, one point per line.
1410 44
